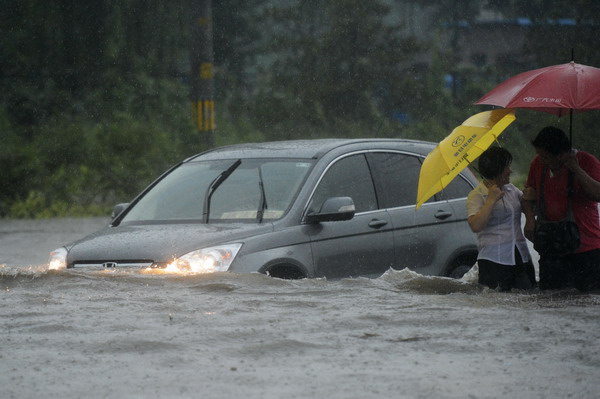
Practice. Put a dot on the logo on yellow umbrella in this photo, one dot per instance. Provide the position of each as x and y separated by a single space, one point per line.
458 141
464 144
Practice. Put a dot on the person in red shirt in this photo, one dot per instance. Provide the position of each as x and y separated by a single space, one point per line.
555 161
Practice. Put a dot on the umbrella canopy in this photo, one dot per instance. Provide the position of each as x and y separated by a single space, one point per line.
554 89
464 145
558 89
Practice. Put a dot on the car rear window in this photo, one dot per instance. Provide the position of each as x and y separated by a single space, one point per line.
458 188
396 177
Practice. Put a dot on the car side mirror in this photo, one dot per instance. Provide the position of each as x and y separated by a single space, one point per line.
118 209
333 209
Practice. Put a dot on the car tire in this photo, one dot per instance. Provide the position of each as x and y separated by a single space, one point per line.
286 272
460 268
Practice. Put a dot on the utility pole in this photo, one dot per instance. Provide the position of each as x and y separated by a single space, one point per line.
202 75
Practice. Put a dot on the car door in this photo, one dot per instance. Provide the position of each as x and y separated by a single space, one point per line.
362 246
418 234
456 195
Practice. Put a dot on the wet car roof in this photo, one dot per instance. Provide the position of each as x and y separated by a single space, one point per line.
307 148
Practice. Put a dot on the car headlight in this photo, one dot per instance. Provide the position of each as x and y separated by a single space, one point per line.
57 259
206 260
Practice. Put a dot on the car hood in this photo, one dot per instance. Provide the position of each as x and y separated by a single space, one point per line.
157 242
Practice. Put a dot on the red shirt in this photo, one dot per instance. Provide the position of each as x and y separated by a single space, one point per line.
556 203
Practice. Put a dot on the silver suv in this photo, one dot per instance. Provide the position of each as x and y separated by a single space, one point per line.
291 209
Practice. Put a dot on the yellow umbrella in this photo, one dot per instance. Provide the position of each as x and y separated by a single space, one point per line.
466 142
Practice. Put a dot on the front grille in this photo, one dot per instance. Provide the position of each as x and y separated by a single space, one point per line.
112 264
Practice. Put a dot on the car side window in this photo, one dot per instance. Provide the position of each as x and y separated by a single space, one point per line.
458 188
348 177
396 178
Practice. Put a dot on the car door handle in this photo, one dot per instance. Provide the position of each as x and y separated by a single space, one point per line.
376 223
442 214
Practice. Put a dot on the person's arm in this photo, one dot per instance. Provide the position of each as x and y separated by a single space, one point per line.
590 186
478 221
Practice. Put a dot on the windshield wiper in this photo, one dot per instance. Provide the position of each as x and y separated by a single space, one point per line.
263 197
212 187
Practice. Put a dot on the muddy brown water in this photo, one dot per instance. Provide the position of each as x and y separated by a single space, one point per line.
108 334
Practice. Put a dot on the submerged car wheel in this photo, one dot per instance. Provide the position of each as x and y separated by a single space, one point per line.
287 272
460 267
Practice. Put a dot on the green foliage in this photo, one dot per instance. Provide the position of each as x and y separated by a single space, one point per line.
123 137
36 205
94 96
329 60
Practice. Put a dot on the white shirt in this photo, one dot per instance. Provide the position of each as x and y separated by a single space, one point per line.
503 231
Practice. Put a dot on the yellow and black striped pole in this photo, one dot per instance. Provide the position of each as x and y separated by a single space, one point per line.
204 112
202 74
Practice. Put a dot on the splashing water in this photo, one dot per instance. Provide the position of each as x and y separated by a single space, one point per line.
127 333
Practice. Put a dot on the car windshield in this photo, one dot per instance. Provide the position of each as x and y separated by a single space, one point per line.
256 190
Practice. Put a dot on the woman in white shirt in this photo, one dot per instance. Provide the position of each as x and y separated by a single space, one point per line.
494 213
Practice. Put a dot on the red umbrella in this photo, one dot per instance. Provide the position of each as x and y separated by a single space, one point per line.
556 89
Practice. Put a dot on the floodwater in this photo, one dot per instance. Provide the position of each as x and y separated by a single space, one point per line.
126 334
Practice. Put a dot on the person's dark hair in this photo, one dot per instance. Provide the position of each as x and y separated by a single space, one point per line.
493 161
553 140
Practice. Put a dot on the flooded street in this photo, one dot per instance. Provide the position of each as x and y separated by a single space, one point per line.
120 333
